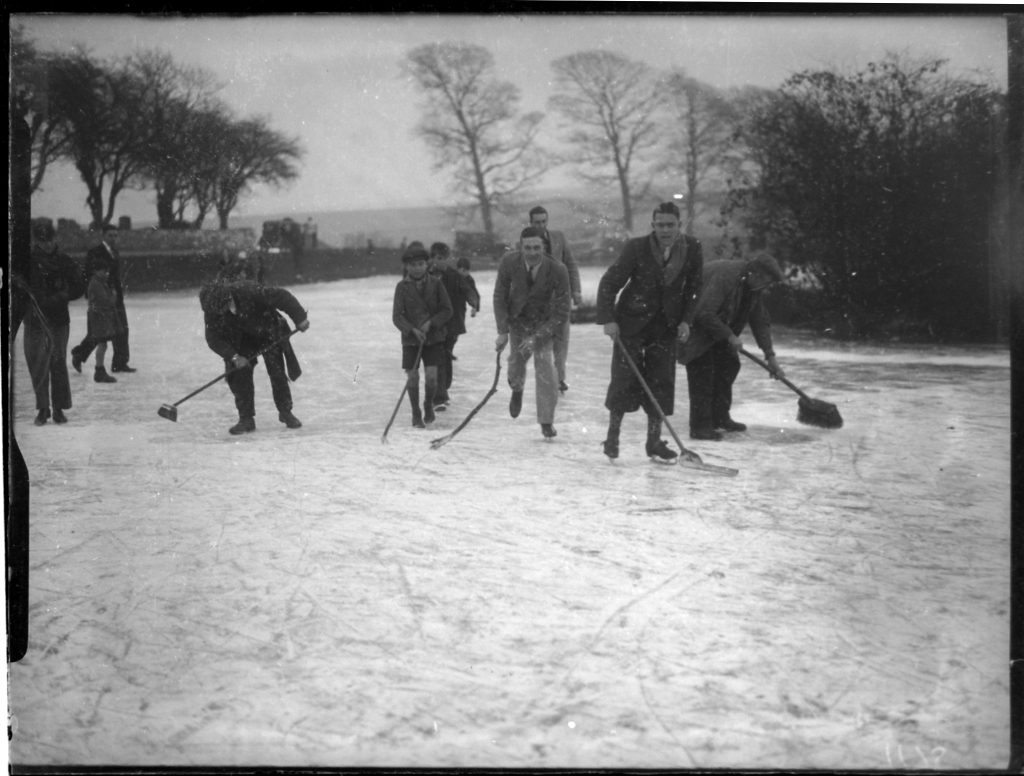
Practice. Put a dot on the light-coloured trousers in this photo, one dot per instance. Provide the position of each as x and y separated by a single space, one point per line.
562 348
545 378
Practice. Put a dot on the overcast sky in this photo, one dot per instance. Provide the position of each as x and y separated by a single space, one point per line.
334 80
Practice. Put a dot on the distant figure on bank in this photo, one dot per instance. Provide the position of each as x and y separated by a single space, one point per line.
531 302
731 297
460 292
557 248
102 319
659 277
241 319
420 311
106 255
54 280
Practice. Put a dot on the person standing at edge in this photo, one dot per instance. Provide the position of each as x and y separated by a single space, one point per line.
420 311
557 248
731 297
659 277
54 280
531 301
106 255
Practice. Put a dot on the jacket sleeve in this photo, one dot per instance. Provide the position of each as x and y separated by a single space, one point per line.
472 295
502 288
285 301
443 303
708 316
398 318
215 340
613 280
73 278
561 303
761 325
570 264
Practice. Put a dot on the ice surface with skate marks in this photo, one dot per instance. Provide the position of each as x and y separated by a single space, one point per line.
314 597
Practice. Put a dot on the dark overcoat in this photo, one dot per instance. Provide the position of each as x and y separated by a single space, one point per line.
241 317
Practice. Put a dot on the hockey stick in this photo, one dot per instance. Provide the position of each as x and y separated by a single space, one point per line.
170 411
405 389
689 457
436 444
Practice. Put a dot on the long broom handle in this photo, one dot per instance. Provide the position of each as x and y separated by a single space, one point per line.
220 377
770 371
650 395
405 388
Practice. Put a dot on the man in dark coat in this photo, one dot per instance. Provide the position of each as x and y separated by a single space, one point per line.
730 299
242 319
106 255
54 280
659 278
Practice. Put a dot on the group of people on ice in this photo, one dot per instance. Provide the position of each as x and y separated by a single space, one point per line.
658 302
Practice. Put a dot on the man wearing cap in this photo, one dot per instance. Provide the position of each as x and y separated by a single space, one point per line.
106 255
731 297
557 247
53 282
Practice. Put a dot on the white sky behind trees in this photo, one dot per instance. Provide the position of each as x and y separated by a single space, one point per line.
334 81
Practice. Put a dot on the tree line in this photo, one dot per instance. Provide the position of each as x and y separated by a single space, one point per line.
885 189
143 121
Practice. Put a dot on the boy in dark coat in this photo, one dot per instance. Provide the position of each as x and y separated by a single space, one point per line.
242 319
54 280
646 300
421 310
730 299
460 292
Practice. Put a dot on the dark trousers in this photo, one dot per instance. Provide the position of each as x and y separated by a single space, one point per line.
653 351
119 342
46 352
446 370
240 382
710 378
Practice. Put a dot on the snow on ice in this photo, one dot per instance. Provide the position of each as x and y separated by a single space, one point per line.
316 597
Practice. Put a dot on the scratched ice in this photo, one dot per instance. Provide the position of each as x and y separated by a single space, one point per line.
316 597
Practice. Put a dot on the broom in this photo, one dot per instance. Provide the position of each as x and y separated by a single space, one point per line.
811 412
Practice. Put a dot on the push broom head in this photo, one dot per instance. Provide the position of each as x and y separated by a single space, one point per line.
168 411
815 412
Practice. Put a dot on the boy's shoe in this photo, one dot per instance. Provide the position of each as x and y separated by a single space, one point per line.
289 420
548 430
661 451
59 416
42 417
101 376
76 362
243 426
611 448
515 404
731 425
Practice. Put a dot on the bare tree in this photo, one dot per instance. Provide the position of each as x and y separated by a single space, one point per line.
471 124
703 142
609 103
251 153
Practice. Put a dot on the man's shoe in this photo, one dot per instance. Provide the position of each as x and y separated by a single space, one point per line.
562 387
515 405
707 434
101 376
548 431
76 362
611 448
428 414
59 416
243 426
42 417
124 368
417 421
289 420
731 425
661 451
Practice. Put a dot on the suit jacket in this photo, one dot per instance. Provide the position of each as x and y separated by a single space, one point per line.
561 252
538 309
725 307
414 305
648 287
